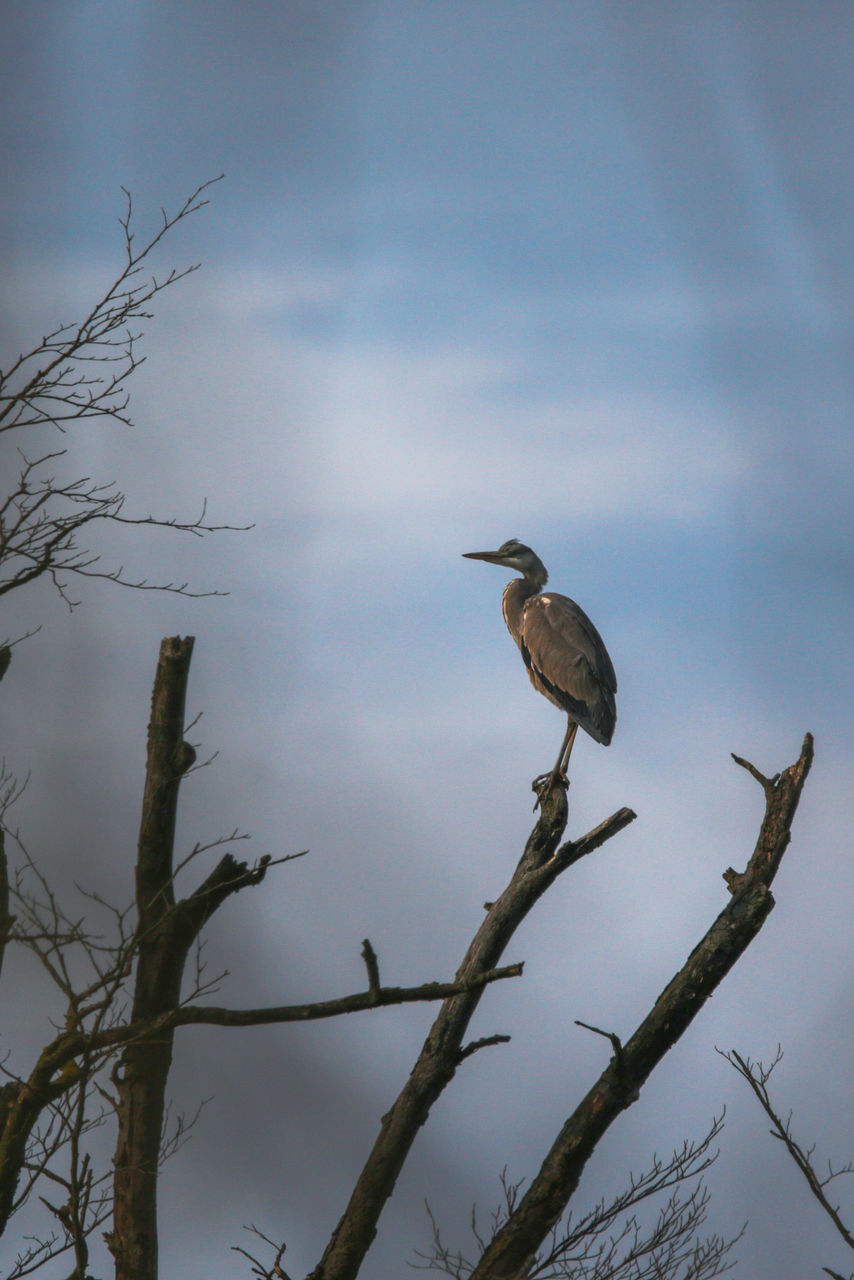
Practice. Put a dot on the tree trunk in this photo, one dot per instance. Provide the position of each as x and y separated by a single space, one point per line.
161 951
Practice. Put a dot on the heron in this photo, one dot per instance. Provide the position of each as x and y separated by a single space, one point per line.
565 655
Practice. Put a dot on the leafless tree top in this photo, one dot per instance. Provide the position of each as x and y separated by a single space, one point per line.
77 372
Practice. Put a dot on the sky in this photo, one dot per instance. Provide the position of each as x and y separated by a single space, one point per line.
577 273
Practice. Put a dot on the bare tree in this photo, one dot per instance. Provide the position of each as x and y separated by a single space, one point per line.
79 373
120 980
121 992
123 1003
512 1251
123 974
757 1075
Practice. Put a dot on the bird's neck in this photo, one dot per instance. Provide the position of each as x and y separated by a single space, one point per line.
516 593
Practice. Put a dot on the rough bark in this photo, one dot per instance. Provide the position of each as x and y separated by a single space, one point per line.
141 1083
165 932
95 1032
443 1049
6 919
21 1104
510 1254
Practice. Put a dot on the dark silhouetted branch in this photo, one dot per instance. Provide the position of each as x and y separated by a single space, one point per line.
6 919
443 1050
262 1270
380 997
757 1076
511 1253
74 374
370 958
166 930
612 1241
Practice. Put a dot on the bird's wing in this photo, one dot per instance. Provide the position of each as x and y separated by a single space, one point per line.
568 661
560 626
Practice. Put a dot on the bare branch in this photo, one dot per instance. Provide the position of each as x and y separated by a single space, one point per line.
443 1051
757 1076
275 1270
485 1042
370 958
767 784
616 1044
77 373
53 388
6 919
509 1253
613 1241
381 997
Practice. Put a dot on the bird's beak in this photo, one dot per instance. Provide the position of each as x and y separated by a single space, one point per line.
493 557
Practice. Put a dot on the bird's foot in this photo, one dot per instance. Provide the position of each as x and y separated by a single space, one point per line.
544 784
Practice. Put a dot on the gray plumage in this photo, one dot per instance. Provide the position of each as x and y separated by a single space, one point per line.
565 656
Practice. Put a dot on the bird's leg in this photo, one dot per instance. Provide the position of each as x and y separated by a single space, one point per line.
544 784
566 751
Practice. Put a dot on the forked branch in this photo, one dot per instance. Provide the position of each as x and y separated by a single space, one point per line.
151 955
511 1253
651 1228
444 1050
74 374
757 1075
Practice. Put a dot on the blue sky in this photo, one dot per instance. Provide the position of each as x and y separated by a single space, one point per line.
578 273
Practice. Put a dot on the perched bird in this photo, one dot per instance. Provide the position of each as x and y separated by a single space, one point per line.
566 657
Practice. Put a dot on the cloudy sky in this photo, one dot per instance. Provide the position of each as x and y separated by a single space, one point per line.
578 273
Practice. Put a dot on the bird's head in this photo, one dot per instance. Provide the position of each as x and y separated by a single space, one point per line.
514 555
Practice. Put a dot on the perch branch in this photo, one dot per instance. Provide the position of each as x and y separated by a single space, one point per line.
512 1249
443 1050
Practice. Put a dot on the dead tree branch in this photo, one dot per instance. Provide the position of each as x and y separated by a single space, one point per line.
6 919
757 1075
624 1238
443 1049
165 932
161 951
50 384
66 1072
263 1271
77 373
512 1252
381 997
